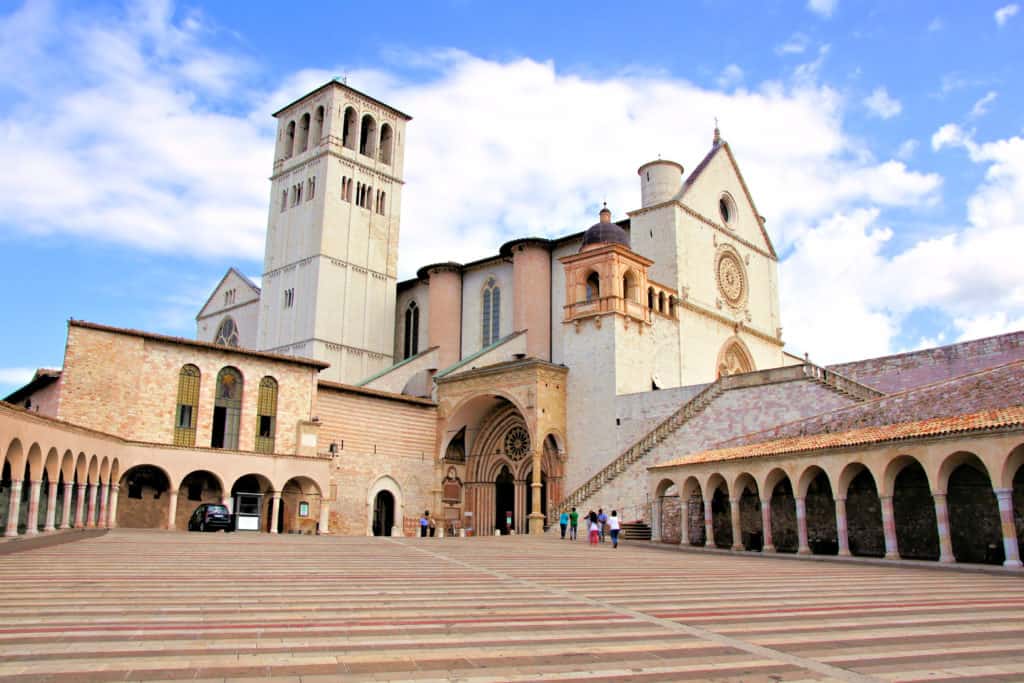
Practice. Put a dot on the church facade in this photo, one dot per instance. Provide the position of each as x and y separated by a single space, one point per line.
555 372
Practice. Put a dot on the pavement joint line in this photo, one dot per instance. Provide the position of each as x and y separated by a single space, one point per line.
722 639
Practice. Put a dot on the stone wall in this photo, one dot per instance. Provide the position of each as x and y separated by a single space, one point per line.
124 383
908 370
637 414
995 388
379 436
734 412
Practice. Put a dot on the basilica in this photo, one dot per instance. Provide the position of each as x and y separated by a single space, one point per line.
635 364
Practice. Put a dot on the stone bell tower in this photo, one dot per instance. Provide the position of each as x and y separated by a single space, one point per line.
331 261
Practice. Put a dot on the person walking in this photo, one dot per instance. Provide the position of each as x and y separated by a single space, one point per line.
602 520
574 520
423 523
613 528
563 521
594 527
431 525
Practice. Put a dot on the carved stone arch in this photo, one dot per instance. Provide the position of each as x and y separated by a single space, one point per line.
734 358
384 482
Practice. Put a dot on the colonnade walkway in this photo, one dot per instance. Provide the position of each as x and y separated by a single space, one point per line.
156 605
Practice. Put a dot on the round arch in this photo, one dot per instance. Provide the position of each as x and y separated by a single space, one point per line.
34 462
15 459
953 461
385 483
667 515
751 523
51 465
734 358
301 503
907 482
145 500
858 486
975 527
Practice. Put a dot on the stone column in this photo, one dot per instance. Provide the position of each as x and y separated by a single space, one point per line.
112 510
325 517
32 522
889 528
801 527
65 513
172 508
709 526
13 509
766 525
536 517
51 506
90 519
737 529
656 519
275 510
80 507
1010 547
104 504
942 522
842 530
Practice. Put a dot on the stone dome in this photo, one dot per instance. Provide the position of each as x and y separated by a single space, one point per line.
605 232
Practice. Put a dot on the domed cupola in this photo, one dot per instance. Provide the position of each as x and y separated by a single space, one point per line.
604 232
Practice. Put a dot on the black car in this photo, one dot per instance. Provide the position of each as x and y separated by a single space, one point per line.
210 517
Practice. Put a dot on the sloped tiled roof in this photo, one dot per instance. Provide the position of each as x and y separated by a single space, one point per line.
1001 418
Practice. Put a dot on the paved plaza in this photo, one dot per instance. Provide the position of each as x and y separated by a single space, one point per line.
152 605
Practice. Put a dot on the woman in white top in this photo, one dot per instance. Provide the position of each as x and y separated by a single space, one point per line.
613 527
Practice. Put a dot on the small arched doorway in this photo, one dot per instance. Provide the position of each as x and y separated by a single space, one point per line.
504 500
383 513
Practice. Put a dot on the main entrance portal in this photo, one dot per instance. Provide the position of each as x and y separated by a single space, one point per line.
383 513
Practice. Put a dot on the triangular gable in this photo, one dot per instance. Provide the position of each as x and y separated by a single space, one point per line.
246 288
707 205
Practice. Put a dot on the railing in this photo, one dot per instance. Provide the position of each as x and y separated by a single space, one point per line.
642 447
695 405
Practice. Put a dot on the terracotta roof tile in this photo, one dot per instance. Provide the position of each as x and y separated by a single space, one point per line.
1012 416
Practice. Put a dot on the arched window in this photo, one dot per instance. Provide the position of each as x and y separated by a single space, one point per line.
385 143
491 315
661 302
284 199
348 132
629 292
381 202
412 330
310 188
650 297
593 287
672 306
188 403
303 133
318 126
368 136
227 333
289 139
266 415
227 409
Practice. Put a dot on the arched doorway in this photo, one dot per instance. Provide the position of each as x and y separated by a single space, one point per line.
504 500
974 524
252 503
199 486
144 502
383 513
917 535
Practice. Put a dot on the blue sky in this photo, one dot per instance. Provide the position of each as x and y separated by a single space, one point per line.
883 142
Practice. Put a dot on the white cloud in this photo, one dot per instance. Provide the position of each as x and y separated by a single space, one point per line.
980 107
863 289
1005 13
949 135
823 8
936 24
882 105
906 149
16 377
731 75
796 44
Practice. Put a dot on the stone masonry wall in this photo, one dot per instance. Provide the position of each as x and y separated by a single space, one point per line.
736 411
995 388
127 385
637 414
377 437
908 370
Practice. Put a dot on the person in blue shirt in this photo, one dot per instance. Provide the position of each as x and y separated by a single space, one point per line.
602 521
563 521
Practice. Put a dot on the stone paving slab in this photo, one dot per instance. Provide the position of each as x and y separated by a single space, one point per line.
133 605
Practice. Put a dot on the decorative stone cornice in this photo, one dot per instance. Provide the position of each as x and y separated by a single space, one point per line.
737 325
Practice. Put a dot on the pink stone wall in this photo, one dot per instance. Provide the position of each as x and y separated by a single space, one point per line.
917 368
445 321
532 298
996 388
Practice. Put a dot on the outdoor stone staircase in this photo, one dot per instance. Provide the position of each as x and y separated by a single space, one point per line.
636 531
834 381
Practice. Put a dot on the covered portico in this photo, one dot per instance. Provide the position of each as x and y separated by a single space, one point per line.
502 429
